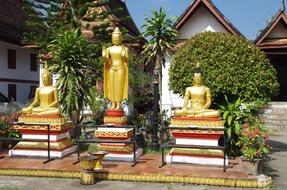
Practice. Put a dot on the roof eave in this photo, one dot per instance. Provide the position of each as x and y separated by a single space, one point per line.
280 14
213 9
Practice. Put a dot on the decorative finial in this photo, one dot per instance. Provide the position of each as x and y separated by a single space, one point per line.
283 6
117 31
46 66
198 64
46 70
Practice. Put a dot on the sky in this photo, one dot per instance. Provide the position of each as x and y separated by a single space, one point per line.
248 16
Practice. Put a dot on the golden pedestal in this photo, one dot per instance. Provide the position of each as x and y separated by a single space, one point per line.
60 144
198 138
88 163
120 151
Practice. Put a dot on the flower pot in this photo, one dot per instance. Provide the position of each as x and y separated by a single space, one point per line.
253 167
88 162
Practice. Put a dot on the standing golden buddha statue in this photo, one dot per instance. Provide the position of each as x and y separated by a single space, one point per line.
46 101
116 70
199 98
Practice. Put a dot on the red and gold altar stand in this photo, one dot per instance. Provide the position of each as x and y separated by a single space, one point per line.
197 137
117 151
60 144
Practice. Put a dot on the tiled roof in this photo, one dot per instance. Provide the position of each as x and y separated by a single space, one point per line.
129 24
12 21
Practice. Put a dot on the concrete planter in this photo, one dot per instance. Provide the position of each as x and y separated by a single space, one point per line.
253 167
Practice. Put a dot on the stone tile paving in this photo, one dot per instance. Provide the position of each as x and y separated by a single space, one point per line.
276 166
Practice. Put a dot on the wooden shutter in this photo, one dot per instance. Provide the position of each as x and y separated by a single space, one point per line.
11 59
33 62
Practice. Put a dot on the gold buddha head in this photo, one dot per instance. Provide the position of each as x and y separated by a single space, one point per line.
117 37
47 76
197 75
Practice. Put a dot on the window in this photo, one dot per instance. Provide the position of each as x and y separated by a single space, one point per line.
11 59
12 92
33 62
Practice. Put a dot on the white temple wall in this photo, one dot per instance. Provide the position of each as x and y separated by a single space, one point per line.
22 76
202 20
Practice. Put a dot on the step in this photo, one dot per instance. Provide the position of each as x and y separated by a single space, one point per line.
277 103
276 122
274 111
273 116
276 107
276 129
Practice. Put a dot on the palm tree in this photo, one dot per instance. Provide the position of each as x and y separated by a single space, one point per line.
161 36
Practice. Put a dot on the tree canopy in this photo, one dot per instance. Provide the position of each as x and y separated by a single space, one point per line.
232 66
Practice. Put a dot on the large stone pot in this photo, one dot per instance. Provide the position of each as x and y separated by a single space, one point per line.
253 167
88 162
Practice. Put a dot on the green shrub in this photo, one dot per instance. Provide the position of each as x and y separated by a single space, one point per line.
232 66
140 91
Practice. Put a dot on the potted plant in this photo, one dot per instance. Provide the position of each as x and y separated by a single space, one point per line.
254 146
6 129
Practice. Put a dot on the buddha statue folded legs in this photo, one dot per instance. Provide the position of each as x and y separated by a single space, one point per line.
42 111
197 113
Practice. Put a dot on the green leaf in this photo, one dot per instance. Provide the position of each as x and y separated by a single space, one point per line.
229 120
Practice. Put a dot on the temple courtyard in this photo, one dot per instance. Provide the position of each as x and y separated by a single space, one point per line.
148 165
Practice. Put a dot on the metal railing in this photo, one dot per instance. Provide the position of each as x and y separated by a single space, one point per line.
96 141
32 140
163 146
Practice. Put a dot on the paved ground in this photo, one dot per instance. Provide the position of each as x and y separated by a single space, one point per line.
33 183
276 167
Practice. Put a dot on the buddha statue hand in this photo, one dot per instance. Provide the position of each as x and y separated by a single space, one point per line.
27 110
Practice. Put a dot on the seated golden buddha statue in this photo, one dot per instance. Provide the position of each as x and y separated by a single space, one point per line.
199 98
46 100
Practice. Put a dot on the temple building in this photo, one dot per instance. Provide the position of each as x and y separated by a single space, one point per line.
19 73
199 16
273 41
